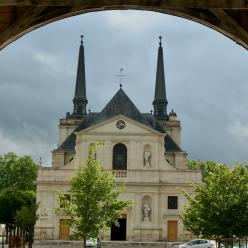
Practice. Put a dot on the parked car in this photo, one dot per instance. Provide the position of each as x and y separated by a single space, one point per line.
90 243
199 243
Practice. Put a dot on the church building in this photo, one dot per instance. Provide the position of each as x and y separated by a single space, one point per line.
141 149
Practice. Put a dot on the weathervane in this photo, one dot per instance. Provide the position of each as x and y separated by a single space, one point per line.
121 75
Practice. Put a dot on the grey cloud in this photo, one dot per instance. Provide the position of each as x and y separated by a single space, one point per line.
206 79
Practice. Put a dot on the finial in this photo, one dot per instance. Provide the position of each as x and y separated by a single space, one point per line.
120 86
82 39
160 40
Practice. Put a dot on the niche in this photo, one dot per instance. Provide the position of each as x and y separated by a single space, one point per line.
146 209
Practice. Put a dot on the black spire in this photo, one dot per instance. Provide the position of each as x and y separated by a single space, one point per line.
80 101
160 102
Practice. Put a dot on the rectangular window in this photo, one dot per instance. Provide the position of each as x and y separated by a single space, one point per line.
172 202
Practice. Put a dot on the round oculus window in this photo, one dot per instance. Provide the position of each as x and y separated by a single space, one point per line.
120 124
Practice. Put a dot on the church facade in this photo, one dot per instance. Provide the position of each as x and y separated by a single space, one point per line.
141 149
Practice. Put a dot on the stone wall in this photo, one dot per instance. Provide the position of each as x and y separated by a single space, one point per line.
131 244
104 244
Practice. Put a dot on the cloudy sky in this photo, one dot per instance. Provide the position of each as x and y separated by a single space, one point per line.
206 80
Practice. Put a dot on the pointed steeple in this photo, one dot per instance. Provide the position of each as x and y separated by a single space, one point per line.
160 102
80 101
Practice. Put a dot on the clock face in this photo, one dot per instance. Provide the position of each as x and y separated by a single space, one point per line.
120 124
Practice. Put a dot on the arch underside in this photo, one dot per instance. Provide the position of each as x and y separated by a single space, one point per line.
18 17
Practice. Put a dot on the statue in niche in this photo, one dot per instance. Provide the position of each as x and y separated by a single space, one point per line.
147 158
146 209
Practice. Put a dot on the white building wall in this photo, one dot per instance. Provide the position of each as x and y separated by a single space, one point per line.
155 182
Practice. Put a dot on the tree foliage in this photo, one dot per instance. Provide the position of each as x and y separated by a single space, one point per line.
26 216
17 172
17 191
205 166
94 202
11 201
219 207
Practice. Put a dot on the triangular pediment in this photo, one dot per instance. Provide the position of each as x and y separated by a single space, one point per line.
120 124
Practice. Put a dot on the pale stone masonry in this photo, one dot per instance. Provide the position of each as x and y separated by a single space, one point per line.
142 149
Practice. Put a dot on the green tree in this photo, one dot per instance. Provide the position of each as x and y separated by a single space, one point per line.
17 192
12 202
205 166
94 202
17 172
219 207
26 217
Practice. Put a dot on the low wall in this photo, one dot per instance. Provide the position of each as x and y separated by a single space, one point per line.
57 244
104 244
132 244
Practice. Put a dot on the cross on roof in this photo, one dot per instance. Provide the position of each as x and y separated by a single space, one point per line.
121 75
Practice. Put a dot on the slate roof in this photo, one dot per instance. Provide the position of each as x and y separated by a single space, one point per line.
153 122
80 88
160 91
170 145
119 104
69 143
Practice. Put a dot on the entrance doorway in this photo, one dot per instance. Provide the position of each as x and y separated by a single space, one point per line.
119 233
64 230
172 230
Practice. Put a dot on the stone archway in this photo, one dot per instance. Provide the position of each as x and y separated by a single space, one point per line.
18 17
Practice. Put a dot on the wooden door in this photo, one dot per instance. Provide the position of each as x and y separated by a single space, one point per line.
172 230
64 230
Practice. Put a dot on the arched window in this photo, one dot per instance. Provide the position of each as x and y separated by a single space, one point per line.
119 157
